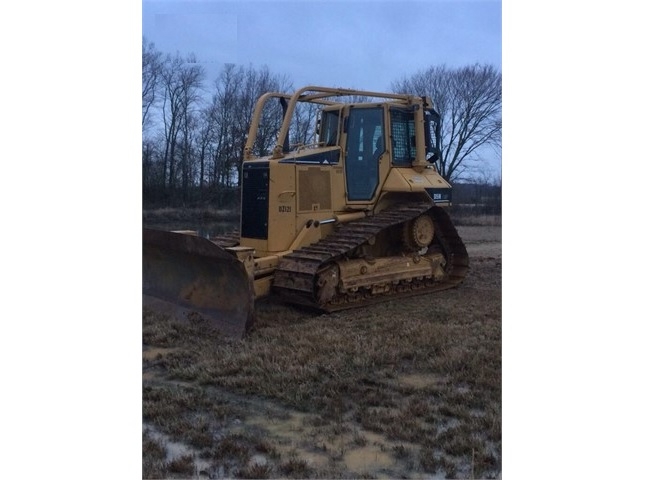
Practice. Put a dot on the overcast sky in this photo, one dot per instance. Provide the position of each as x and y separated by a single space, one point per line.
365 45
356 44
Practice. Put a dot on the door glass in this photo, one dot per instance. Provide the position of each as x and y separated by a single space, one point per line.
364 146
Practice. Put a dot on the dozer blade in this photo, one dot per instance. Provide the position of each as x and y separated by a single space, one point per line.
194 280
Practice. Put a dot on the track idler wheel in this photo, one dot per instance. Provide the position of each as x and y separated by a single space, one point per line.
419 232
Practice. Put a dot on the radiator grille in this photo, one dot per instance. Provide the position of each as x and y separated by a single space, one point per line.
314 189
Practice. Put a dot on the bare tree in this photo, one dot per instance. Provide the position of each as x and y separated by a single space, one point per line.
151 173
237 89
204 140
303 126
469 101
190 79
181 81
256 83
227 146
152 64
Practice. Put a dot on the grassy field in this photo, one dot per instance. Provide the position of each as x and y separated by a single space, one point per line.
405 389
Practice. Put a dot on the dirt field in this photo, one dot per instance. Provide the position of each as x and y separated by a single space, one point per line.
405 389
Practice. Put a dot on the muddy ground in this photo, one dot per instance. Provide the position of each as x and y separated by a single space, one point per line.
404 389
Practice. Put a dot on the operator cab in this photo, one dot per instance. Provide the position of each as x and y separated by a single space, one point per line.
362 130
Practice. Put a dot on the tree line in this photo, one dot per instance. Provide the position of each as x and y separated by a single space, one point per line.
193 138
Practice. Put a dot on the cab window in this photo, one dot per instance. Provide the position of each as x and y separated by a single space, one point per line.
329 128
403 137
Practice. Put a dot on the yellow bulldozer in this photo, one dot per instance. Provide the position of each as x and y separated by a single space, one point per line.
359 216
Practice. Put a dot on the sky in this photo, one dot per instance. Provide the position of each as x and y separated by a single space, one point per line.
365 45
354 44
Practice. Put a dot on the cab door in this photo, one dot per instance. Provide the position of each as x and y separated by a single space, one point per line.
364 144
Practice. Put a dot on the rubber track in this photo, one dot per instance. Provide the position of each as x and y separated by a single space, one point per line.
295 276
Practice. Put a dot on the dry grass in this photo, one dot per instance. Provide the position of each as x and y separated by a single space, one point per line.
154 457
208 214
206 221
418 379
477 220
